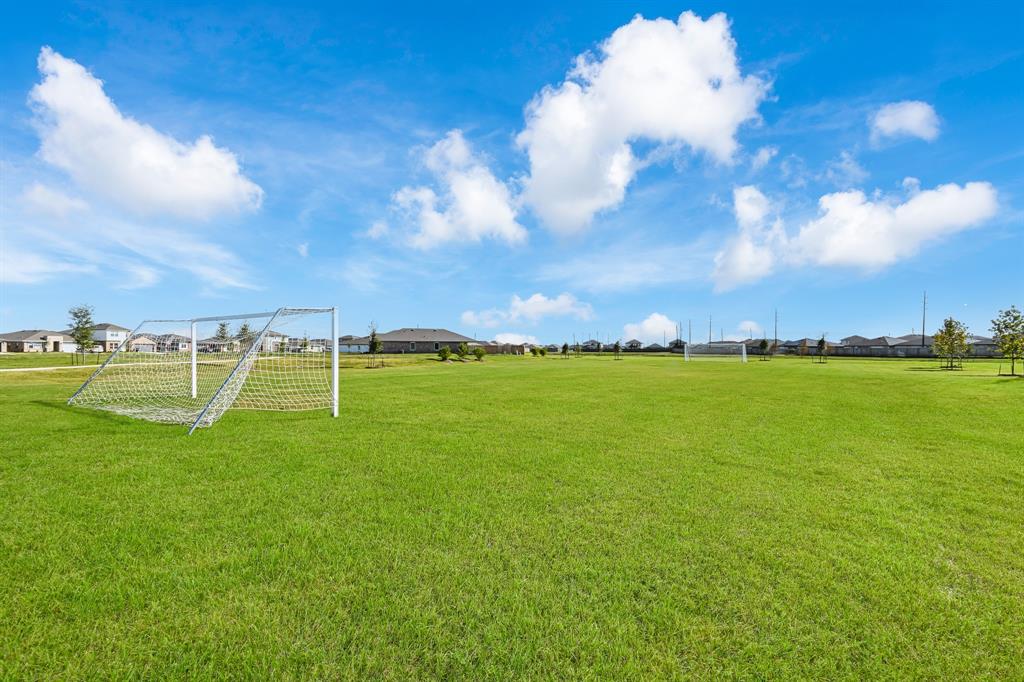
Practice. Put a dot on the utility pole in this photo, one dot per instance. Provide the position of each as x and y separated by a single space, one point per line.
776 328
924 311
709 328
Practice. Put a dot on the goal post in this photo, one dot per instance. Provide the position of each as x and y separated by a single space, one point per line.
718 350
191 371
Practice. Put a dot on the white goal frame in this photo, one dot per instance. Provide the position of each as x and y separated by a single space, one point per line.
727 346
228 390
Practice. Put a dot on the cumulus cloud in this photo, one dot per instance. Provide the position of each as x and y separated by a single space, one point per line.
762 157
851 230
468 204
670 83
750 255
655 328
530 310
516 339
303 249
127 162
909 118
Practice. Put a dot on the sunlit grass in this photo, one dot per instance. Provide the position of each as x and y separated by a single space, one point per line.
526 517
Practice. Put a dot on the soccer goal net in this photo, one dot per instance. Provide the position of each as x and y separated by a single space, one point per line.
723 350
192 371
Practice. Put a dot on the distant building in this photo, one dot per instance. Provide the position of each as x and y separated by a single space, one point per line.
633 344
416 340
36 341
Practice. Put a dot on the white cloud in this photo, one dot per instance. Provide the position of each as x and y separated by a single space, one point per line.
762 157
530 310
655 328
667 82
750 255
516 339
855 231
303 249
378 229
127 162
850 231
43 200
472 205
23 266
750 205
905 119
845 172
137 276
749 329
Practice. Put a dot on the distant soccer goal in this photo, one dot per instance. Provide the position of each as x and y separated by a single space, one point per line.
192 371
721 350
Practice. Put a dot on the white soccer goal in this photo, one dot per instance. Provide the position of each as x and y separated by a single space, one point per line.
724 350
192 371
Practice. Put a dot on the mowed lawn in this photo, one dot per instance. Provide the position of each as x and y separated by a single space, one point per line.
527 517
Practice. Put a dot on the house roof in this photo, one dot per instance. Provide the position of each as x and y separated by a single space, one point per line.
109 326
634 342
656 346
415 334
980 339
32 335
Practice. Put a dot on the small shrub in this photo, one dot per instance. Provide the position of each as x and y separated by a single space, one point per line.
479 353
463 351
445 353
534 351
543 351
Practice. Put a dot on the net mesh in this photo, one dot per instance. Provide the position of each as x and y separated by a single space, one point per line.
267 361
723 350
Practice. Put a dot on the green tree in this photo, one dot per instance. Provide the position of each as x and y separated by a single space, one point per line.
245 334
462 351
543 351
223 332
764 348
534 351
618 350
565 351
374 347
951 342
81 327
479 352
445 353
1008 328
822 348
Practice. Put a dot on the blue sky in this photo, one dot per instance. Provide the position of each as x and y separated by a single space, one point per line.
530 171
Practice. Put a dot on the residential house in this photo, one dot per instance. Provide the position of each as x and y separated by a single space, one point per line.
633 344
36 341
591 345
108 336
417 340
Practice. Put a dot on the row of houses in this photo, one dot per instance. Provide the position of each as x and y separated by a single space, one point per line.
908 345
106 336
109 336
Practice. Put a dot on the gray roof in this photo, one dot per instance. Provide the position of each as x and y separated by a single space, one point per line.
32 335
108 326
418 335
634 342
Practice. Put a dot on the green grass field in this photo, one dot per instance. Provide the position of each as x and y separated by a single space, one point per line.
527 517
